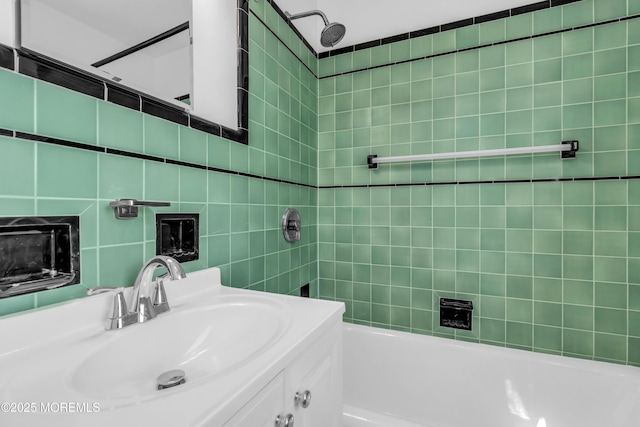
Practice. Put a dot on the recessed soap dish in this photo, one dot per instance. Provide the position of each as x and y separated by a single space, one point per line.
38 253
178 236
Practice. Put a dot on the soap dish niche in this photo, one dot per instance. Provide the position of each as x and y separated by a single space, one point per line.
177 236
38 253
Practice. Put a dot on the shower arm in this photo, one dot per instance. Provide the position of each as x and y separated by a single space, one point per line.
305 14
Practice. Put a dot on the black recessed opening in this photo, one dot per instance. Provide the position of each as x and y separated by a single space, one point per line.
177 236
455 313
38 253
304 291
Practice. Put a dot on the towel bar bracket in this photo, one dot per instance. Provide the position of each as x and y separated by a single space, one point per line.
370 162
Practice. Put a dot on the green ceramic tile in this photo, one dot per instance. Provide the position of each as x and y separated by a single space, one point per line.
609 10
444 41
547 20
610 112
468 36
519 75
60 169
18 168
610 269
610 36
421 46
492 79
610 87
634 321
520 335
380 55
547 338
467 61
547 95
578 317
577 116
548 119
160 137
119 177
577 13
119 265
577 42
610 193
548 47
612 218
578 342
193 146
193 185
17 104
120 127
578 292
613 295
610 347
610 320
578 267
65 114
492 31
578 242
547 71
17 304
610 61
519 26
577 91
633 110
577 66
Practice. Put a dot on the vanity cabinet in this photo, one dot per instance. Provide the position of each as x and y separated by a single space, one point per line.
263 408
307 393
313 386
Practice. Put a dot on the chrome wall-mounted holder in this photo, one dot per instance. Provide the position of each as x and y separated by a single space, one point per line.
128 208
291 225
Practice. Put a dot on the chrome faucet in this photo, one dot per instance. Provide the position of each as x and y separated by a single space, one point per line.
141 302
143 307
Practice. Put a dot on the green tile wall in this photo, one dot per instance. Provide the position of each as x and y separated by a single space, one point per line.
239 216
550 266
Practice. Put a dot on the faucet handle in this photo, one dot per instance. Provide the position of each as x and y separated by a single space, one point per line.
160 302
119 306
103 290
120 316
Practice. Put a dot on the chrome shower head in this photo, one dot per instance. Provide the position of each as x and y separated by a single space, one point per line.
332 33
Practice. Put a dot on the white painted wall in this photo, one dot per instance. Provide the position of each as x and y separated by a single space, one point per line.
7 23
368 20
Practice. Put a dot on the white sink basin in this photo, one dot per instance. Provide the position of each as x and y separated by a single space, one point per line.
229 342
201 342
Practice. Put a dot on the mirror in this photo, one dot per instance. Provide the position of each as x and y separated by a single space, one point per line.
182 52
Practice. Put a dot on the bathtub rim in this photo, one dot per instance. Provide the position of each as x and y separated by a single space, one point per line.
567 361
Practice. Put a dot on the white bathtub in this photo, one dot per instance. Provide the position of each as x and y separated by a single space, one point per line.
396 379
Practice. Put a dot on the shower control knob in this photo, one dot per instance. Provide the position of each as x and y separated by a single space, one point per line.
284 420
303 398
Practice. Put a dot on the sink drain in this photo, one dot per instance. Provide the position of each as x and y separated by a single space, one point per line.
171 378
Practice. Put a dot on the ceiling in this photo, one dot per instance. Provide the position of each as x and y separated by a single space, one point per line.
368 20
